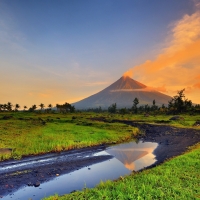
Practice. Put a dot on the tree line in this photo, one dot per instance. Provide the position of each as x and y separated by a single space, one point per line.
63 108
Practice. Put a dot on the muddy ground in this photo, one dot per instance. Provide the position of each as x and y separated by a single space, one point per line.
172 142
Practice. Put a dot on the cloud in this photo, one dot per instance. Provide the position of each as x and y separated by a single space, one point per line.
178 64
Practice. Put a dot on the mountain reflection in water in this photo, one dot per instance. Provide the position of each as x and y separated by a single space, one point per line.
133 155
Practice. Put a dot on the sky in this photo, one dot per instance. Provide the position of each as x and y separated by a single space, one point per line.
56 51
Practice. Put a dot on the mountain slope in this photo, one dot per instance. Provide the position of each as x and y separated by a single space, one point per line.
123 92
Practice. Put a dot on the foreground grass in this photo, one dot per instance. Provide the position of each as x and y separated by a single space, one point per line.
178 178
31 134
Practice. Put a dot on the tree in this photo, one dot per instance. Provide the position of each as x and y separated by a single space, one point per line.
135 103
178 103
154 107
25 107
42 106
112 108
123 111
9 106
17 106
33 108
66 107
50 106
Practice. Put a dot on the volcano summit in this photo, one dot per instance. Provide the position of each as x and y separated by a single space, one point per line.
123 92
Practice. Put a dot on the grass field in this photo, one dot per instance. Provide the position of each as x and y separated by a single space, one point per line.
32 133
178 178
37 133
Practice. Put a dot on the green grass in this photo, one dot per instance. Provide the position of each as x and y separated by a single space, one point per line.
30 136
186 122
178 178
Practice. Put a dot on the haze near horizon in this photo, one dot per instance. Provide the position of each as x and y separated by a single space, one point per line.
64 51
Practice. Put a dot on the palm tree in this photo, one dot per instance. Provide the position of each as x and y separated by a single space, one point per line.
9 106
25 107
31 109
50 107
17 106
42 106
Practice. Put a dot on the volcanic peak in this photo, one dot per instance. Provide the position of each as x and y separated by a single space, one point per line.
126 83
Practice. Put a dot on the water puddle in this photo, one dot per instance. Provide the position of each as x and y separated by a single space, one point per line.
128 157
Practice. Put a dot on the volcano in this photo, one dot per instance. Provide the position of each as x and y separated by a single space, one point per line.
123 92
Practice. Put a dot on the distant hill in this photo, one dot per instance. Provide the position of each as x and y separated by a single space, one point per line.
123 92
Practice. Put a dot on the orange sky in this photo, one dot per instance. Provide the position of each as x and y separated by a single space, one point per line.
178 64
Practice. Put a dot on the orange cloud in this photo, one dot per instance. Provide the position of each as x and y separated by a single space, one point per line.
128 73
197 85
178 65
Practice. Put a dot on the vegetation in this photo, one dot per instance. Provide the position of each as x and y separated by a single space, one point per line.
177 178
112 108
135 103
179 104
35 133
65 108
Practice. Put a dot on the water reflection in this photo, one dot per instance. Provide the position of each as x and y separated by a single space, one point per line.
134 156
127 157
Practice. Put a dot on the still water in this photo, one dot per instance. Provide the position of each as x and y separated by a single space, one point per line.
128 157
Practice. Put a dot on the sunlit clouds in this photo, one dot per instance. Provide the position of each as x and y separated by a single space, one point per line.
178 64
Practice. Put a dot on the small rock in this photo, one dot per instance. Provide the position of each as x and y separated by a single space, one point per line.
89 168
30 184
37 184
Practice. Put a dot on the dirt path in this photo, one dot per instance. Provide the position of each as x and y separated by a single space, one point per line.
172 142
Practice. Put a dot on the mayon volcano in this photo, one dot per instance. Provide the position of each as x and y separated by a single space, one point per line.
123 92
